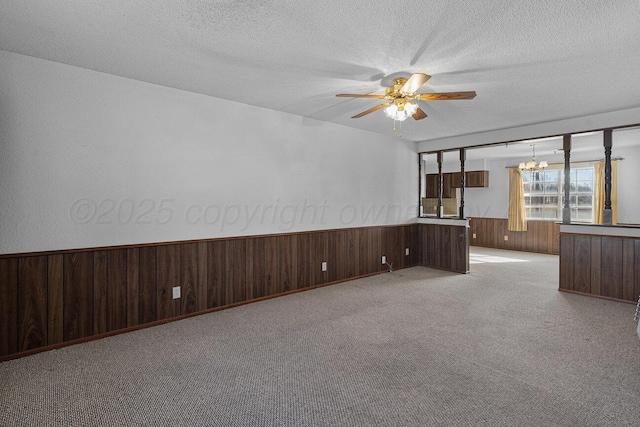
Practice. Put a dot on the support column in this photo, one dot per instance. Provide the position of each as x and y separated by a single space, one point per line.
566 210
463 157
421 183
608 142
440 210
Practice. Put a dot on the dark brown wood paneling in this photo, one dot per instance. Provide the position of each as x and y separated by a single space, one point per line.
352 254
133 287
445 247
189 278
95 291
55 293
216 264
319 255
303 254
235 286
78 295
333 267
390 246
361 236
272 259
8 306
611 285
375 250
256 267
566 262
430 239
595 264
168 277
287 271
628 270
581 264
203 264
148 284
100 302
605 266
241 289
339 255
541 236
32 302
117 290
460 249
249 269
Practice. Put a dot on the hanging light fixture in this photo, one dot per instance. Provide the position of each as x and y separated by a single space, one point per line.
400 110
532 165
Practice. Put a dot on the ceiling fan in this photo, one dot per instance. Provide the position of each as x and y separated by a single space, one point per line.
398 96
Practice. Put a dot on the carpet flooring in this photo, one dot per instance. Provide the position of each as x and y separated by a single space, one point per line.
417 347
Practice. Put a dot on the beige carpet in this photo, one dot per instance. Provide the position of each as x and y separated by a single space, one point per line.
418 347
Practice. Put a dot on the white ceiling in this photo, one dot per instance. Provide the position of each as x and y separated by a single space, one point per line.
529 61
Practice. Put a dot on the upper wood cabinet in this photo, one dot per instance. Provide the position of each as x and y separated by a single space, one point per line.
432 186
451 181
472 179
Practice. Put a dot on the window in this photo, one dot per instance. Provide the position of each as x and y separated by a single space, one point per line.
544 194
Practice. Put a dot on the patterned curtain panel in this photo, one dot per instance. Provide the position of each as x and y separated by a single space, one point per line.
517 219
598 192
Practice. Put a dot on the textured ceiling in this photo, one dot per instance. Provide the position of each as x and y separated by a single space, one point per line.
529 61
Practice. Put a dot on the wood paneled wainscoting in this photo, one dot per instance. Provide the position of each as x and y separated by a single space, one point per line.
445 245
600 261
541 236
51 298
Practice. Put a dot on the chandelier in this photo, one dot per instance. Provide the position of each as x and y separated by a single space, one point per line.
532 165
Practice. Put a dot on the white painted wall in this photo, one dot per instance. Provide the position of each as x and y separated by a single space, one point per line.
89 159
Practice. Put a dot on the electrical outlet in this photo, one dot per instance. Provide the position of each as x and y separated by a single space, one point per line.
324 266
176 292
384 259
506 238
474 235
406 252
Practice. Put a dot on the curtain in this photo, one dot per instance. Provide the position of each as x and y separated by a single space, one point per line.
517 219
598 192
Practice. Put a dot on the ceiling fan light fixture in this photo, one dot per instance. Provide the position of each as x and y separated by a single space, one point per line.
402 112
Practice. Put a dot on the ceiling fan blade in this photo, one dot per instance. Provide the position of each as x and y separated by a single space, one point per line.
445 96
357 95
370 110
419 114
414 83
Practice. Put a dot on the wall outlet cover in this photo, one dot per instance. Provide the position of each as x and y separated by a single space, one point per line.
406 252
176 292
384 259
474 235
506 238
324 266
